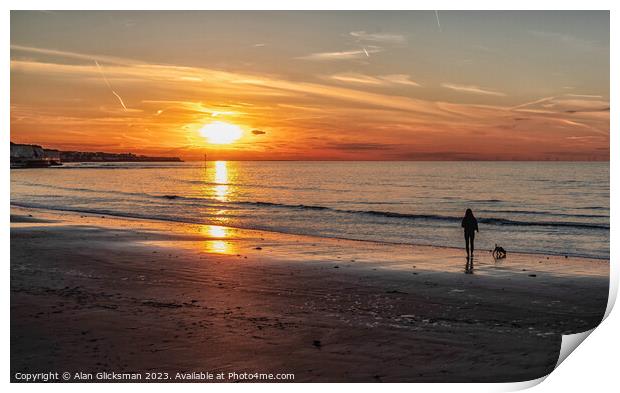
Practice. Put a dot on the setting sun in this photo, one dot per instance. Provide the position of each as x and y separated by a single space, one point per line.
221 133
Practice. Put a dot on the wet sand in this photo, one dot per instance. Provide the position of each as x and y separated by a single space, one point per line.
92 293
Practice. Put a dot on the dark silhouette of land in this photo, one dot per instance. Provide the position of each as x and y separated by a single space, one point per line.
31 156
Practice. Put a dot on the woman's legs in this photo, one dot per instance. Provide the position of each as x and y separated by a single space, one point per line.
467 244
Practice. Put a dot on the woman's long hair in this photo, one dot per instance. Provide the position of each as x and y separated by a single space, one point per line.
469 213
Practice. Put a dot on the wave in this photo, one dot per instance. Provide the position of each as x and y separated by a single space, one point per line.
592 208
544 213
503 221
106 212
410 216
483 220
203 220
497 221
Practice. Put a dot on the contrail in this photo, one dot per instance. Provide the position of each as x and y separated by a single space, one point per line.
438 24
110 86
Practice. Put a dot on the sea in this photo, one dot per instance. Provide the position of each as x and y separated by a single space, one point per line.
557 208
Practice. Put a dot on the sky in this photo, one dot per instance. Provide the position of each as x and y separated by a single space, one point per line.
330 85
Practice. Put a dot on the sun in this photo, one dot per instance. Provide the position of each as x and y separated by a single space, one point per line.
221 133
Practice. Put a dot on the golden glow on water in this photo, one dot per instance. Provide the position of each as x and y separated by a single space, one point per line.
221 177
217 231
218 247
221 172
217 242
216 185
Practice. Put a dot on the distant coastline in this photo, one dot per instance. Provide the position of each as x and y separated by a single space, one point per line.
36 156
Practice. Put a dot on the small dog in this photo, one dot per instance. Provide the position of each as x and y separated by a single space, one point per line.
499 252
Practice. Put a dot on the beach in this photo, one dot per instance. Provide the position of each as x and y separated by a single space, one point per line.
92 292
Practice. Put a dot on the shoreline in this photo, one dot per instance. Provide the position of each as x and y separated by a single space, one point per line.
136 295
119 216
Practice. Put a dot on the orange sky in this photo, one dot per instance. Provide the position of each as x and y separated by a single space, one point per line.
366 86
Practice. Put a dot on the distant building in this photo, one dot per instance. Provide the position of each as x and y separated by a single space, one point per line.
29 156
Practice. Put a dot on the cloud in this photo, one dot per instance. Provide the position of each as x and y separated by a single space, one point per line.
605 109
584 96
342 55
569 110
227 85
400 79
567 103
358 146
371 123
566 39
538 101
473 89
73 55
379 37
355 78
381 80
258 132
369 42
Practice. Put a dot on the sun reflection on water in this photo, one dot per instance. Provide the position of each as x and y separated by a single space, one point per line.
221 178
217 243
218 247
216 231
217 186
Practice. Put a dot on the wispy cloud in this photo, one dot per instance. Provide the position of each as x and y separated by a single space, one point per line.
379 37
473 89
400 79
359 146
568 103
356 79
172 102
369 43
342 55
584 95
589 112
566 39
72 55
530 103
381 80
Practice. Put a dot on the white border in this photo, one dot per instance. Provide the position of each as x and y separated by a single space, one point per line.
593 366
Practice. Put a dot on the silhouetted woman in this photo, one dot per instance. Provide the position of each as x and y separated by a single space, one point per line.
470 226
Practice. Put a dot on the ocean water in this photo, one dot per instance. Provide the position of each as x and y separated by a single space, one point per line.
537 207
